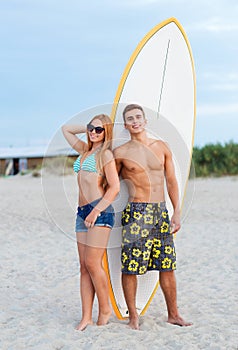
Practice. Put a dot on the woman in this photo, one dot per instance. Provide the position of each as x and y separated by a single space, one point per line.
98 186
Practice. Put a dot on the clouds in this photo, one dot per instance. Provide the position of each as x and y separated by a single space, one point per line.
216 25
226 82
225 86
218 109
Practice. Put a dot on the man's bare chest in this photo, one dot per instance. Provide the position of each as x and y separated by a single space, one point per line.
139 160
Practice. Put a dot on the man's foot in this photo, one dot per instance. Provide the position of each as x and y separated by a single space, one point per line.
83 324
179 321
134 323
103 318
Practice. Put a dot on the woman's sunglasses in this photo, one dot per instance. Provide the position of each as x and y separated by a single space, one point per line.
98 129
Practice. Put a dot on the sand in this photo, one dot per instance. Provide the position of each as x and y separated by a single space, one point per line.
40 304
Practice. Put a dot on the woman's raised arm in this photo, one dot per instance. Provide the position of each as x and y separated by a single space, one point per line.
70 132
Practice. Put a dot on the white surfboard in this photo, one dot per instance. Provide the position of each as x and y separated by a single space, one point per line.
159 76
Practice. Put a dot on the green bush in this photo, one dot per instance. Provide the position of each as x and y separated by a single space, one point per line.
216 159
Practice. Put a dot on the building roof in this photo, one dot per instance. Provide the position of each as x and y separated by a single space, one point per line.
35 152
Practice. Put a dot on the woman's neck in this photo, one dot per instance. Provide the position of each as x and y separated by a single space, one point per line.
96 146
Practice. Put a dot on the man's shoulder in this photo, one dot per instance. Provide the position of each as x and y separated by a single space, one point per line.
160 146
157 143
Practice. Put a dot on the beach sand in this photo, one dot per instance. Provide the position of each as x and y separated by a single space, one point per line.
40 304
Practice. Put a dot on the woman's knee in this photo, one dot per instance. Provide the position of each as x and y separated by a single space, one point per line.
83 267
90 264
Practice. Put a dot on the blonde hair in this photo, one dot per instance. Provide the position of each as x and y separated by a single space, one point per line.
107 142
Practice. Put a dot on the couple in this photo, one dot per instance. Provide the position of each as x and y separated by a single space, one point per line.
98 168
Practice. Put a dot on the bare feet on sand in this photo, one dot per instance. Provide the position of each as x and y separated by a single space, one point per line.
134 323
103 318
83 324
179 321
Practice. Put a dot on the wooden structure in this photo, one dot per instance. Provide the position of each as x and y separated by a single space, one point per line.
15 160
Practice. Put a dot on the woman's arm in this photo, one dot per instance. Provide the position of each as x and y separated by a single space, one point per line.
70 131
118 159
113 183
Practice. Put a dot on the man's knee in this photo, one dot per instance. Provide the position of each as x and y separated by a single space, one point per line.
166 277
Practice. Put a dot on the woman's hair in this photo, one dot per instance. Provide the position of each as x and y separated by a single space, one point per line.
108 134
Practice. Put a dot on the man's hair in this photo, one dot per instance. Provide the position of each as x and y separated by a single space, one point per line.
130 107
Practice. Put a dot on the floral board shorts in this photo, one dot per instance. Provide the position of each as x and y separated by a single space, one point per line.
147 243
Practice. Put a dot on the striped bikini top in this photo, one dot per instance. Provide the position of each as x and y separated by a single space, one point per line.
89 164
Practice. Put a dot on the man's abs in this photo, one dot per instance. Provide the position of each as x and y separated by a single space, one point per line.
144 186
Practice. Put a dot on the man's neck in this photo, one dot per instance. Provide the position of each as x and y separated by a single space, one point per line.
140 137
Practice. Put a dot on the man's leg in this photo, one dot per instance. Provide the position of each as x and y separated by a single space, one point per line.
168 286
129 284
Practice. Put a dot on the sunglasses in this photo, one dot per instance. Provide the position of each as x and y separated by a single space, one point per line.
98 129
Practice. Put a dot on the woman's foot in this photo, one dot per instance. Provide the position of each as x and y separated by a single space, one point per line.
103 318
83 324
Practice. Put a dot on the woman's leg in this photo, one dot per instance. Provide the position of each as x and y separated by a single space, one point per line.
87 290
97 240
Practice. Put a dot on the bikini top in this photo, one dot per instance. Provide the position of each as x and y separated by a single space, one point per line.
89 164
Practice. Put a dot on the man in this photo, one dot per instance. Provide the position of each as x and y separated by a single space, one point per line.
147 242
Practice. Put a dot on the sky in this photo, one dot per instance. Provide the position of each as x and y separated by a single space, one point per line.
60 57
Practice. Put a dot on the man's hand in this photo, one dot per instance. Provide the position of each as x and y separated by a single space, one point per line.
175 223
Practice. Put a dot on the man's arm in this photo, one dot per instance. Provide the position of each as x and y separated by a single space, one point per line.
173 190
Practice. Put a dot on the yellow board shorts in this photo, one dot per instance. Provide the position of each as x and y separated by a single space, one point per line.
147 243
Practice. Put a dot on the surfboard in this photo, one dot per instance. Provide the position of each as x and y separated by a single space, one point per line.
160 76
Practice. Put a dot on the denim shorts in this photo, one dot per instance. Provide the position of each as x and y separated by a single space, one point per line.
105 219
